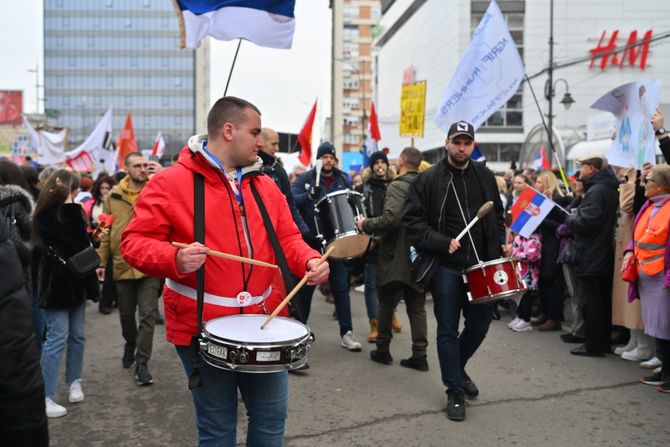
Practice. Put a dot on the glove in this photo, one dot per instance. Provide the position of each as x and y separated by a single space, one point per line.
314 192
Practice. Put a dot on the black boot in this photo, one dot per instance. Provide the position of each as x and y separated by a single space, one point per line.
128 356
383 357
418 363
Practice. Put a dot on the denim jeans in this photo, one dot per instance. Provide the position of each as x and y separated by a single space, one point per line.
371 303
64 327
39 321
454 349
265 397
339 285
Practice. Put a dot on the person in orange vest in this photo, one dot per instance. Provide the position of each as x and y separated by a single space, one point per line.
650 250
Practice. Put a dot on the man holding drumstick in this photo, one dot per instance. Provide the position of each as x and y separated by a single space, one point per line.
441 202
227 158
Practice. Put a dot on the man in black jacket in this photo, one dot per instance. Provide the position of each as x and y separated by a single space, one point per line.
440 203
593 252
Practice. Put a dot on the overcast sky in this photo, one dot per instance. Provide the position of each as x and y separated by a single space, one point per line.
282 83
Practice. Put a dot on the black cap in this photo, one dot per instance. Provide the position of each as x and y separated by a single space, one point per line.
379 155
461 128
325 148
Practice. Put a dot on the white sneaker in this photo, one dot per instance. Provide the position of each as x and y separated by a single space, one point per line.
360 288
657 370
76 393
636 355
522 326
350 342
629 347
514 322
652 363
53 409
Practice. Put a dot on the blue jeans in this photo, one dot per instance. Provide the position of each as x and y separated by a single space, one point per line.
371 303
454 349
64 326
339 285
39 321
265 397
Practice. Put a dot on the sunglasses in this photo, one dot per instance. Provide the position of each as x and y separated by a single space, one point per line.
648 180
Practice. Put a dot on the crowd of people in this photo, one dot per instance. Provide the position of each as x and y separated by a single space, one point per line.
605 247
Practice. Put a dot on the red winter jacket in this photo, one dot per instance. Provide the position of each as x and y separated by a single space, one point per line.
164 214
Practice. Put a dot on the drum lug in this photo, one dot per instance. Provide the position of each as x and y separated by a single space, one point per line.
465 279
244 356
470 297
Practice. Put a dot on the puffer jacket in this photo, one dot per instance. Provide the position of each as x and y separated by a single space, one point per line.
164 214
16 205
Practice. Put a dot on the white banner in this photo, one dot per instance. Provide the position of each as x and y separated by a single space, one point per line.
489 73
49 146
98 145
633 105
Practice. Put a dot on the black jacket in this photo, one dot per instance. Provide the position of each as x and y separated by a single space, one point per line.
16 205
21 386
593 226
423 213
374 192
549 268
62 232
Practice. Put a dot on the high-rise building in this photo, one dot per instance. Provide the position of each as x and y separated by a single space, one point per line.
353 26
123 54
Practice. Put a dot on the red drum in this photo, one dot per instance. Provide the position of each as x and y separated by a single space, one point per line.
494 281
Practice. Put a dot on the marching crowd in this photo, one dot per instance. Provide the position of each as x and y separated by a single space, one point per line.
605 246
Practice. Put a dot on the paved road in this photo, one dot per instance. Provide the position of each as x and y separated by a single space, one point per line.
533 392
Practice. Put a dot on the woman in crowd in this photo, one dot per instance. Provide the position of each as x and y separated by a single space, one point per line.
551 277
59 231
650 250
502 190
527 251
640 346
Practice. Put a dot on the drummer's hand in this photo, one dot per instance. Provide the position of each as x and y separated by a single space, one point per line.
314 192
317 273
360 222
507 250
190 259
453 246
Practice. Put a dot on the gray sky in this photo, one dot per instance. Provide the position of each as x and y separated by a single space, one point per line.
282 83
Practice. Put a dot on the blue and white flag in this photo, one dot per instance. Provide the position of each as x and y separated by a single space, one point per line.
267 23
489 73
529 210
477 154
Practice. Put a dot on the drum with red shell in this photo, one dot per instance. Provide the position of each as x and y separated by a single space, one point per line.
494 280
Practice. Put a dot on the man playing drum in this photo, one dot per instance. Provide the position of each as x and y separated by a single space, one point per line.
441 202
227 158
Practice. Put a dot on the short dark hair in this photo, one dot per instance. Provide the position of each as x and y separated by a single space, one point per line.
228 109
412 157
131 155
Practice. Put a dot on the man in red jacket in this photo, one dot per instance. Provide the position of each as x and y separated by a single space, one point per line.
227 158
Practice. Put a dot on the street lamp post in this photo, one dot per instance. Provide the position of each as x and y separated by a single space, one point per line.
37 86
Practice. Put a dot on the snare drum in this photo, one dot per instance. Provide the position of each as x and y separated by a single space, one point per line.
494 281
238 343
335 218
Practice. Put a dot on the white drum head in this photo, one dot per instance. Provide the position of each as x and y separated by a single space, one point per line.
247 329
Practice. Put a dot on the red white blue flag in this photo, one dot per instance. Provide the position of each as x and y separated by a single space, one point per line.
267 23
529 210
541 161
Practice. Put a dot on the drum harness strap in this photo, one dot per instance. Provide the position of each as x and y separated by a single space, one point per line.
194 380
465 221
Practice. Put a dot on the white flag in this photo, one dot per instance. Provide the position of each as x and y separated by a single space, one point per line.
49 146
489 73
98 145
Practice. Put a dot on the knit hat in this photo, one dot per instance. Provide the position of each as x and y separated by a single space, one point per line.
325 148
660 174
379 155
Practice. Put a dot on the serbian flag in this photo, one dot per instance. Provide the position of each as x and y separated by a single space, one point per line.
541 162
305 138
374 135
126 143
529 211
159 146
267 23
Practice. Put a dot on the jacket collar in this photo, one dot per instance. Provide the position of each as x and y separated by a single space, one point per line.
196 159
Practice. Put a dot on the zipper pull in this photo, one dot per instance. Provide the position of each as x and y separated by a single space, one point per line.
242 212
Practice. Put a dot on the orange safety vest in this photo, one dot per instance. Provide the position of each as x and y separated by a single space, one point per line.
650 239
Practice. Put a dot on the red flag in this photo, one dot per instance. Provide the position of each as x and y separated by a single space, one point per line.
374 125
305 138
126 143
546 164
83 162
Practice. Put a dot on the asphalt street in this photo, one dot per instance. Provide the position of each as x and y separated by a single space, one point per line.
532 392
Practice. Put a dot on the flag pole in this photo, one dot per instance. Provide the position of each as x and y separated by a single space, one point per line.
232 67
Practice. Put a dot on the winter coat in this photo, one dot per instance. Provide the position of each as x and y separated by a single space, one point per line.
21 386
593 226
374 191
120 204
394 262
164 214
528 252
62 231
16 205
550 243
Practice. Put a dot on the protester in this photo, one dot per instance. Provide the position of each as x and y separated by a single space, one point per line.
227 159
59 231
650 249
441 201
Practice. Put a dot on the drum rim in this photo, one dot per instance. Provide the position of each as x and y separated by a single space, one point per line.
208 336
489 263
337 193
497 296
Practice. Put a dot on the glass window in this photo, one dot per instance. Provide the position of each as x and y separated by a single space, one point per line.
97 101
96 22
146 120
59 81
177 81
59 42
59 3
72 61
66 101
165 62
103 61
109 81
90 42
165 101
177 120
128 22
128 100
146 3
165 22
146 81
65 22
146 42
134 61
496 119
109 3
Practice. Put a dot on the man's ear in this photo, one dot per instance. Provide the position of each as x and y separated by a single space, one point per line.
227 131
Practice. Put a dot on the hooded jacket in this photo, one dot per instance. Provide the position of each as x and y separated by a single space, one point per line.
594 224
16 206
164 214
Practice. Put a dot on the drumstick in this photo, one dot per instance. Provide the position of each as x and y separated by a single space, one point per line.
317 166
295 289
483 211
231 257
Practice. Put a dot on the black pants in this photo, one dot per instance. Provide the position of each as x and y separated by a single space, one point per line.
108 296
389 296
34 437
525 308
597 292
551 296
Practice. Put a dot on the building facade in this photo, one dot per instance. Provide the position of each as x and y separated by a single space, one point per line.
430 37
123 54
353 27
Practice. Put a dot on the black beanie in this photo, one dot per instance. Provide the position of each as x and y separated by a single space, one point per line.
325 148
379 155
